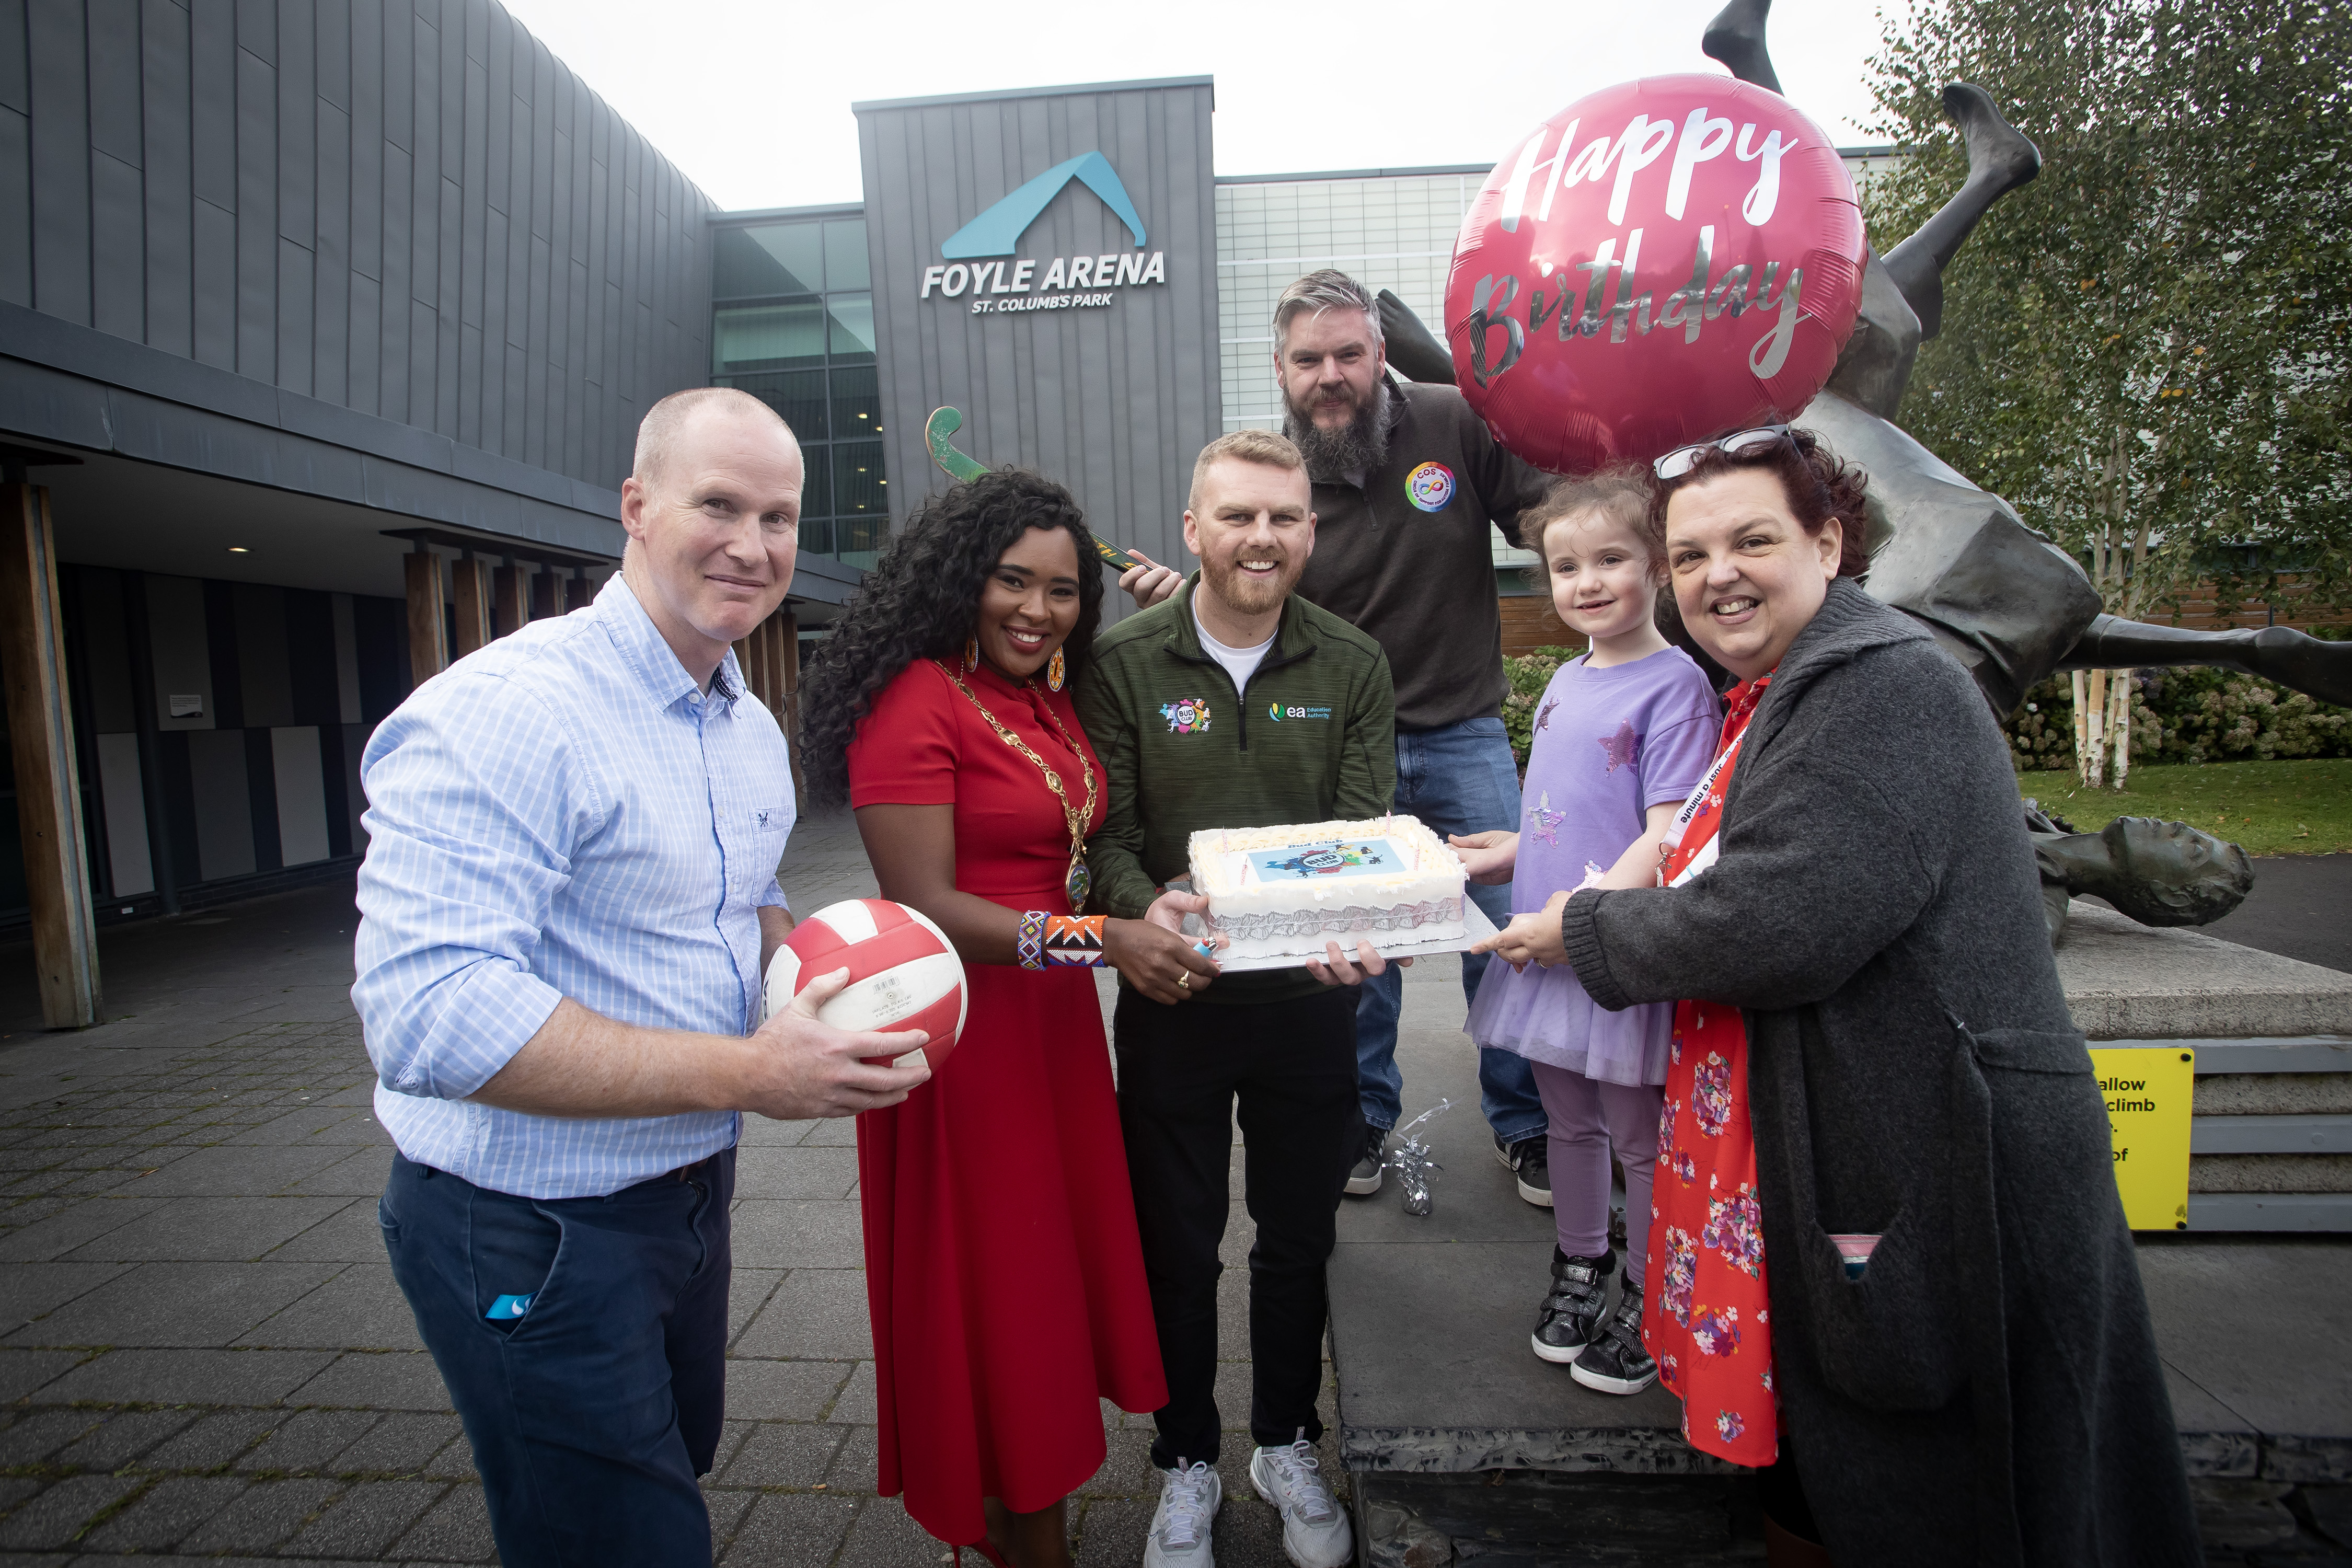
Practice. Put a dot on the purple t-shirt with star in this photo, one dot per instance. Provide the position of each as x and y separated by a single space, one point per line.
1608 744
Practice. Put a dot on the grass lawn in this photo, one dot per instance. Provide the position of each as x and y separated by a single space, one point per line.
2297 807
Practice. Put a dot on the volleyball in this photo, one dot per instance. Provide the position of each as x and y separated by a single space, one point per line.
903 973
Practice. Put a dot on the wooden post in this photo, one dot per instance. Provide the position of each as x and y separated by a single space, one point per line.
546 595
743 656
788 685
428 633
41 737
471 592
513 597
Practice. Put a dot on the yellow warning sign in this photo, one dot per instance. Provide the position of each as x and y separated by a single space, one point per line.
2149 1092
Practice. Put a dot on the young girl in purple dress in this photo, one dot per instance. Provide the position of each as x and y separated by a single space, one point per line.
1621 735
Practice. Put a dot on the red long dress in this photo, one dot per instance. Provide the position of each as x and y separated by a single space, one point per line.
1001 1264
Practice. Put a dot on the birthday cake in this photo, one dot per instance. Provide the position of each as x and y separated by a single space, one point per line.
1281 892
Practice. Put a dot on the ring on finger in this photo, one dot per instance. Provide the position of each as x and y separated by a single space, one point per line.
1184 980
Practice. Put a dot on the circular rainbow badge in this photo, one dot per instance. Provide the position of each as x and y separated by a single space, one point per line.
1429 486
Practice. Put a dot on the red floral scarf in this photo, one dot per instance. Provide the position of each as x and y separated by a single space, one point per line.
1706 1317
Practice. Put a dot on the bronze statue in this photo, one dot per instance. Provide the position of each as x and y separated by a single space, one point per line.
2157 873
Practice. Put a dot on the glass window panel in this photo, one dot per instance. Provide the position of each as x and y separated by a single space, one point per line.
853 327
769 337
776 258
859 540
844 254
796 396
817 536
816 489
856 402
857 489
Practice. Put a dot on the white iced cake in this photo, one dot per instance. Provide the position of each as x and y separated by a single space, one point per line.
1280 893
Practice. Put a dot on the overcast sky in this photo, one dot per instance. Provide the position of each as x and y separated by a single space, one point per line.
751 97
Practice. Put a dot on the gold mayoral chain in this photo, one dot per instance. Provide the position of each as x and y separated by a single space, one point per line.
1077 883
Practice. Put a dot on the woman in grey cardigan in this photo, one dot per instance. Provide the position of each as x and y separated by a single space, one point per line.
1986 1390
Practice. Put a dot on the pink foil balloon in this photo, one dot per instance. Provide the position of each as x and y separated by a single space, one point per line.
1663 261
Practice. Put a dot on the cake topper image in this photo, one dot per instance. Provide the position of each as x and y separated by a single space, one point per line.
1326 860
1185 715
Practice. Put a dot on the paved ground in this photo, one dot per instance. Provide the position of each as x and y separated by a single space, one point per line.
202 1351
2301 907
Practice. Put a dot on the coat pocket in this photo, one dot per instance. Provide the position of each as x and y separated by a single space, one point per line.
1889 1340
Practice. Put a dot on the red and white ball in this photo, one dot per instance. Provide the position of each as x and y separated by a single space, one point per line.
903 973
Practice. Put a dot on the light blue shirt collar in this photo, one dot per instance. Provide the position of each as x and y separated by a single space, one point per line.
651 658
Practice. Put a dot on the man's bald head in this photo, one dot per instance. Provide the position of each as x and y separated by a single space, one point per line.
665 422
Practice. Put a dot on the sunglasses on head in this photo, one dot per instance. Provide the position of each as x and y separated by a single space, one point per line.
1740 443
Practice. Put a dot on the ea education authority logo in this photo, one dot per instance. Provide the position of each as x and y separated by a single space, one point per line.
1075 282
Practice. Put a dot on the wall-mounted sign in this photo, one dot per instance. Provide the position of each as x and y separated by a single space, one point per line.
2149 1092
980 260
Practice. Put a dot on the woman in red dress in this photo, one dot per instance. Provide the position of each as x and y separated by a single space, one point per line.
1002 1268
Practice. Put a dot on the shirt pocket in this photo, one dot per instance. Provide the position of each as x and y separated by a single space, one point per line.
763 831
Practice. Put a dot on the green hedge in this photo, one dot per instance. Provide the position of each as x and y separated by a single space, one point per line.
2186 716
2178 716
1530 674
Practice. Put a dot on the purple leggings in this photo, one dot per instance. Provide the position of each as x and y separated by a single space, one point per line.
1588 1117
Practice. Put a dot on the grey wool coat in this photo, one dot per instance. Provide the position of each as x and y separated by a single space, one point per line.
1988 1392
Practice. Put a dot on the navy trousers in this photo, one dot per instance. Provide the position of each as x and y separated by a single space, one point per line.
592 1412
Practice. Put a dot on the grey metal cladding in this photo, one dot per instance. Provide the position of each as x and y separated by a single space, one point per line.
406 209
1116 402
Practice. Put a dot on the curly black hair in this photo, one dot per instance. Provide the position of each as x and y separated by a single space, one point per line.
922 600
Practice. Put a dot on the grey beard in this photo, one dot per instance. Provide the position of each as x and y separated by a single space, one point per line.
1358 446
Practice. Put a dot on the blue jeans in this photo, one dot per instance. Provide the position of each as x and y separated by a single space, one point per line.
1461 779
592 1413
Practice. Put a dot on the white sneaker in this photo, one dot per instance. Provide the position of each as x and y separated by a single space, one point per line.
1190 1496
1313 1532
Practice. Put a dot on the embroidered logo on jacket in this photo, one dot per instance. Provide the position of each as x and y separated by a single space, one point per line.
1429 486
1185 715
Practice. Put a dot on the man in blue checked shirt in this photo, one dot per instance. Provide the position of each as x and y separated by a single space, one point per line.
568 903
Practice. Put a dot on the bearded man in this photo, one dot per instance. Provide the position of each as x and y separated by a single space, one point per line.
1232 703
1409 487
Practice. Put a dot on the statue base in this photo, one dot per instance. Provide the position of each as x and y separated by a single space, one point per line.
2270 1130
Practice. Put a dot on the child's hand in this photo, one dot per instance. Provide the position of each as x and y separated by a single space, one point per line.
1488 856
1530 938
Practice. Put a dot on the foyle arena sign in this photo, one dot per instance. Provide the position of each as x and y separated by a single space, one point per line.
979 258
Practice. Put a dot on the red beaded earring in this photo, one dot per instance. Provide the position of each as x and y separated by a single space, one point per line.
1054 670
970 654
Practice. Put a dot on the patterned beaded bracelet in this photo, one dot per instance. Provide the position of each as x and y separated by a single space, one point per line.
1059 941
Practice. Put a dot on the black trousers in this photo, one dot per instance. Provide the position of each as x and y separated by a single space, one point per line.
1292 1067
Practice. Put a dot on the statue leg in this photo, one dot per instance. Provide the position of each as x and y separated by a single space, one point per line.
1414 351
1736 39
1999 160
2293 658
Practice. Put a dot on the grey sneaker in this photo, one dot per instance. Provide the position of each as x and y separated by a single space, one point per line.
1190 1496
1315 1533
1570 1313
1365 1179
1615 1362
1529 1162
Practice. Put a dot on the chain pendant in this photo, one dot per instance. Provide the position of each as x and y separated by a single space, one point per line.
1078 884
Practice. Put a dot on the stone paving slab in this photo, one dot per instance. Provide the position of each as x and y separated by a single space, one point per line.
203 1356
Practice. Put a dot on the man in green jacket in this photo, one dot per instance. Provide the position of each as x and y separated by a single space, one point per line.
1234 704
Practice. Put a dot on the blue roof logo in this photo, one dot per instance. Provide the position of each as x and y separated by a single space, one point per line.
996 231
